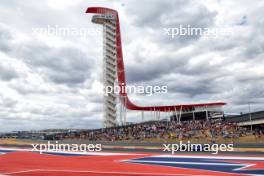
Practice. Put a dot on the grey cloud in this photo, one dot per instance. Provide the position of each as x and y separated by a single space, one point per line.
63 65
7 102
148 69
7 73
169 13
5 39
66 65
192 87
158 15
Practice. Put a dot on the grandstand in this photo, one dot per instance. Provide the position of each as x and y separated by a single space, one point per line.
203 129
200 130
254 118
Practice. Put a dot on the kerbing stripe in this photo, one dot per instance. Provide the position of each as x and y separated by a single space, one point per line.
189 163
211 157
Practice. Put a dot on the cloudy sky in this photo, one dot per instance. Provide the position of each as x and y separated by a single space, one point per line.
51 81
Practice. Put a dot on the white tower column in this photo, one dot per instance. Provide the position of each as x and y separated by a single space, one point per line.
109 67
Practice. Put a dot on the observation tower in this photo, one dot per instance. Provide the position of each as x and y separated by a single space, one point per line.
114 71
109 66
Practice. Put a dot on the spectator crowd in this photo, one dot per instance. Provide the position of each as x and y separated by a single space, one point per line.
163 130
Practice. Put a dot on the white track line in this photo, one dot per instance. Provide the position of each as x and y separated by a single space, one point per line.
100 172
189 163
212 157
66 152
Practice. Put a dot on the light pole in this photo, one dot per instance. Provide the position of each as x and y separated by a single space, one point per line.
250 118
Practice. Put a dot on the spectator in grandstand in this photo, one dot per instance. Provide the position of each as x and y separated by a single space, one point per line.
211 129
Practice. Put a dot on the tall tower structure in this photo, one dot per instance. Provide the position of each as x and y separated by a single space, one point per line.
109 66
114 70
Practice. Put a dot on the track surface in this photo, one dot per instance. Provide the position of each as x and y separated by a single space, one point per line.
24 163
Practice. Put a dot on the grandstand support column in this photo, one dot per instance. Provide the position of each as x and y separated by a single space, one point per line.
166 114
207 118
180 115
176 114
158 117
250 118
193 116
142 116
155 114
122 110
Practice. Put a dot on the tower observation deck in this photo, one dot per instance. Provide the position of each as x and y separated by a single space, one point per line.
113 70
